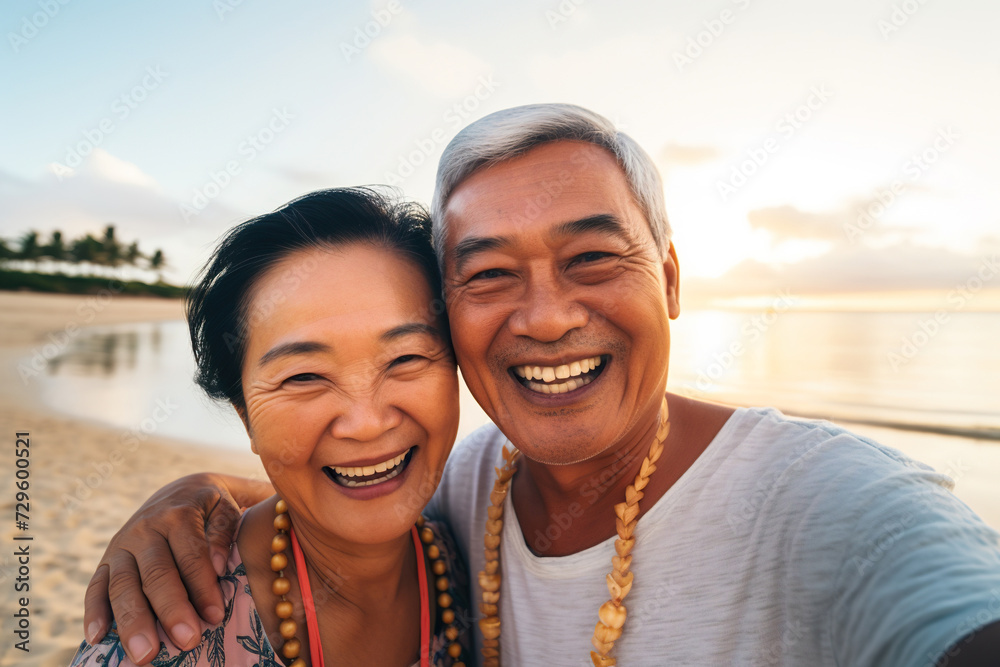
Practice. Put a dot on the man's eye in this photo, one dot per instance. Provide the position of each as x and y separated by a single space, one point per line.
406 358
488 274
588 257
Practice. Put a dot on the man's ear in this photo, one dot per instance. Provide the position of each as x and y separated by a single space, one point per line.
672 274
241 410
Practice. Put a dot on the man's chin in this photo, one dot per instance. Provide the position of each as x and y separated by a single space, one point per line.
555 445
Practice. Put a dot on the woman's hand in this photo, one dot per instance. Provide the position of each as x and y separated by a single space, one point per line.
166 558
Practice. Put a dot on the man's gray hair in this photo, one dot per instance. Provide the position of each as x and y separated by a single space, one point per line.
506 134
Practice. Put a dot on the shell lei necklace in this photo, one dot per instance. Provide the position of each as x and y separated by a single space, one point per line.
612 613
423 540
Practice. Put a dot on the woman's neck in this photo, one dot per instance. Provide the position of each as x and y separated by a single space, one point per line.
367 577
366 596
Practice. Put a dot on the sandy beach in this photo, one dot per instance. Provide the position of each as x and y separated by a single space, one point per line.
80 492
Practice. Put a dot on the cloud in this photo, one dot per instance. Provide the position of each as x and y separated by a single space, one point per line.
104 188
680 155
846 268
307 178
438 66
787 222
105 166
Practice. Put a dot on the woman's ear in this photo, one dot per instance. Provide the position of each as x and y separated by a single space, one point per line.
241 410
672 273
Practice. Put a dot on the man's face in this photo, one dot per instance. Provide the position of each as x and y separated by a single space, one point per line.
559 301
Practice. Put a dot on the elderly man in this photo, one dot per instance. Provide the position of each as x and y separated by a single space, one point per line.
629 524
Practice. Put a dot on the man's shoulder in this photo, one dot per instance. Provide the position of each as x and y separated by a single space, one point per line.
469 467
783 441
779 465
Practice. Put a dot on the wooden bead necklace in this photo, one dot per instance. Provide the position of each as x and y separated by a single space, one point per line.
612 613
291 646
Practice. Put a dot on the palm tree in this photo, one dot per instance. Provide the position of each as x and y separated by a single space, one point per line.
86 250
111 249
55 249
133 254
158 262
30 250
6 252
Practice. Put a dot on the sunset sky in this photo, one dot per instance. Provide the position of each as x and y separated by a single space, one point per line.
828 147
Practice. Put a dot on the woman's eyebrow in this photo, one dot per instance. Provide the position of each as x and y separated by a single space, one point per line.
409 329
292 349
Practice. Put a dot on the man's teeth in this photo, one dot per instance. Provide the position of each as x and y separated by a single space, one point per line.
574 376
365 471
563 372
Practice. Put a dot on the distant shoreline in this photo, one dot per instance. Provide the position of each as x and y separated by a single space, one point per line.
973 432
61 283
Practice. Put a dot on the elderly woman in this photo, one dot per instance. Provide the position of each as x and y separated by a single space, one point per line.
319 323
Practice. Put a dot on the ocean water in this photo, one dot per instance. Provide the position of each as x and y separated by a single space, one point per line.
914 370
897 369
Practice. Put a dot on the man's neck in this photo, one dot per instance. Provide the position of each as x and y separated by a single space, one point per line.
564 509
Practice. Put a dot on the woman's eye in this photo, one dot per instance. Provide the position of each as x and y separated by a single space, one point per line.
405 359
303 377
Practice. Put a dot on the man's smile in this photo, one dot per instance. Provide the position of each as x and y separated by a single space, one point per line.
563 378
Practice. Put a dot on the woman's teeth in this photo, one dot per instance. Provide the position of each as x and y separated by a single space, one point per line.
350 483
356 476
574 375
364 471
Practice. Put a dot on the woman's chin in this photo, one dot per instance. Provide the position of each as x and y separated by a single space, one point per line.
383 511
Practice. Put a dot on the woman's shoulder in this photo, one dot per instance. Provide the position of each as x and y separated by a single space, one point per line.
445 542
453 624
238 640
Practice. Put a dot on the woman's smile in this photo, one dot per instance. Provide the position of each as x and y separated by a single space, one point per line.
357 476
374 485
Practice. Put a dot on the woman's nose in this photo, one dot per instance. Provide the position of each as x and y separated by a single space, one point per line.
365 418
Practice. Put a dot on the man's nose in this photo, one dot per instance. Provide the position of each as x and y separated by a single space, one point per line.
547 313
365 418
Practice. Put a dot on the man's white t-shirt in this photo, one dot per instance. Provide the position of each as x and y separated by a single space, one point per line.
788 542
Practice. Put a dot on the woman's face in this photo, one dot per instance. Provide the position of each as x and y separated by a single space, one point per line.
350 387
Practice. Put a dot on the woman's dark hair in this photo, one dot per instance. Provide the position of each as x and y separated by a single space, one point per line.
218 305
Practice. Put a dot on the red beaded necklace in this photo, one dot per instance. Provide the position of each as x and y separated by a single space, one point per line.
312 623
422 539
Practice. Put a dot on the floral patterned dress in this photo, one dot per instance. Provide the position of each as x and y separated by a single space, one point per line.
240 640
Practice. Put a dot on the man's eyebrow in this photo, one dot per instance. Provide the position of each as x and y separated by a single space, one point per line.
408 330
292 349
468 248
602 222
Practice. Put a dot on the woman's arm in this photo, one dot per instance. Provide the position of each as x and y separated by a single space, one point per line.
165 559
